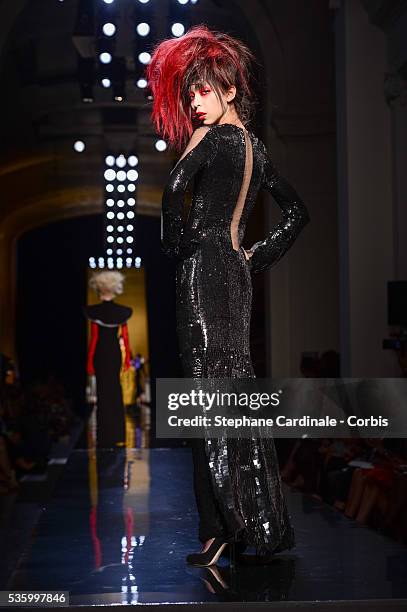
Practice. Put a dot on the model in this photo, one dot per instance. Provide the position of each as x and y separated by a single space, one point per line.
206 75
105 358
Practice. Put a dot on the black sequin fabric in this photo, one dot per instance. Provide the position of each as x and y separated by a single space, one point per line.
228 166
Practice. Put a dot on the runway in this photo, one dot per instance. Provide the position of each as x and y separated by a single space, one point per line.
121 522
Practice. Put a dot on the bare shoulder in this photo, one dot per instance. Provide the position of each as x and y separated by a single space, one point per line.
199 133
196 137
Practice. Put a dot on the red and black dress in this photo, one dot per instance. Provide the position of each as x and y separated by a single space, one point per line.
104 360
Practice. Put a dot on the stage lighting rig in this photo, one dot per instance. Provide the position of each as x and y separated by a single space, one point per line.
120 178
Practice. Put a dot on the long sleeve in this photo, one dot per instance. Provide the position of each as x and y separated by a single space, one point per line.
200 151
125 336
94 332
268 252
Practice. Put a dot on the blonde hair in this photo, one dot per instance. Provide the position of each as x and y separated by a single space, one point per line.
107 281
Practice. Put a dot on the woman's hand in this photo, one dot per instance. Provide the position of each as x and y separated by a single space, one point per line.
247 254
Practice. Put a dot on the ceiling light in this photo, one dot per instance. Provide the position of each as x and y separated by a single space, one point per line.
143 29
144 57
109 29
132 160
79 146
105 57
177 29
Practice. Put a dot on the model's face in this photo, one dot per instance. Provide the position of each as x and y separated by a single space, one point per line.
206 105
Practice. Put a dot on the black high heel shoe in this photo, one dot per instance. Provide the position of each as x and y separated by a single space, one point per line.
210 556
238 547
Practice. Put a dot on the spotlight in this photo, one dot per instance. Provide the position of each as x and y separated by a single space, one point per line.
110 215
110 202
119 251
138 260
144 57
108 1
110 228
131 201
79 146
120 216
141 83
109 188
121 188
143 29
109 252
120 161
130 214
131 187
110 239
194 1
121 175
143 1
160 145
110 174
183 1
177 29
129 228
129 239
109 160
105 57
132 175
132 160
120 228
120 240
129 251
109 29
120 203
106 83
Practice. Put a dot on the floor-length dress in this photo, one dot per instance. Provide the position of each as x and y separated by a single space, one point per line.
229 165
107 361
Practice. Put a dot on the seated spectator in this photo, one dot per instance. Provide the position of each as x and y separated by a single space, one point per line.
336 472
371 487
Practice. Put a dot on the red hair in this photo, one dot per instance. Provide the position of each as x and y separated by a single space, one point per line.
199 56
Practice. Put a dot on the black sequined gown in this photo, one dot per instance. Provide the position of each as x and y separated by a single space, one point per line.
229 165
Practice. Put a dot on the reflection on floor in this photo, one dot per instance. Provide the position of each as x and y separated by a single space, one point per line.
137 426
122 521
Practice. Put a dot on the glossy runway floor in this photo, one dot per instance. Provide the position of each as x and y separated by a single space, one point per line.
121 522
